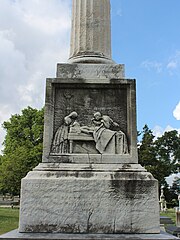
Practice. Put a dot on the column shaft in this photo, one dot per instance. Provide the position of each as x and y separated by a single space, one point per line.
91 31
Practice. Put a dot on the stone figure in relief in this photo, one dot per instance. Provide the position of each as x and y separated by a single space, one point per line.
107 141
60 142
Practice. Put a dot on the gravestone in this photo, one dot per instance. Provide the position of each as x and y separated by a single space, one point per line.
162 201
89 180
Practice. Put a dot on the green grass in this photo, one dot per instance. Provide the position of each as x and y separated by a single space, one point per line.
9 219
170 213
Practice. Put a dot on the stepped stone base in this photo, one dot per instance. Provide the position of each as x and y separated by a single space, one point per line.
104 198
15 235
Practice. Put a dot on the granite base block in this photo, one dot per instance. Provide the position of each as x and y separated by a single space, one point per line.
89 201
15 235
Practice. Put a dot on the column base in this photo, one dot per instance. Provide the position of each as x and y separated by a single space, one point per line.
90 59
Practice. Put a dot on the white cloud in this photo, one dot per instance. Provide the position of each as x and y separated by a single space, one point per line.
34 36
150 65
158 131
173 64
170 65
176 112
46 16
171 178
5 114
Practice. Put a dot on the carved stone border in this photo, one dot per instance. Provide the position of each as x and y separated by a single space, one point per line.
53 83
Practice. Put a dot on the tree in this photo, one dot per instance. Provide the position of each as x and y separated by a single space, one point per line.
172 193
168 154
22 148
161 156
146 150
176 185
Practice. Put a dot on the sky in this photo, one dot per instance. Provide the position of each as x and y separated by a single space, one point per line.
35 36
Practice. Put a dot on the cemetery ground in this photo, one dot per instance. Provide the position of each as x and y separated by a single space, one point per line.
170 213
9 218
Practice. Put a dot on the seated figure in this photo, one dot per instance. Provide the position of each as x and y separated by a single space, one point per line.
60 142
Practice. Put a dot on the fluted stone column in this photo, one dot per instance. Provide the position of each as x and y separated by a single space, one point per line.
91 32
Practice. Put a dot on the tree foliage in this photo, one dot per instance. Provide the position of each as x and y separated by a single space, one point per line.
172 192
160 156
22 148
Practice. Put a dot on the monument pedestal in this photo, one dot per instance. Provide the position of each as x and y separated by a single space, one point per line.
89 198
90 181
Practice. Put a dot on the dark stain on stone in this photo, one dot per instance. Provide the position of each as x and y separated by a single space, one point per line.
49 228
131 185
77 174
74 228
87 174
126 166
59 159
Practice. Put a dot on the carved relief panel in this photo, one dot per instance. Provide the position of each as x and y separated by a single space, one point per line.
75 129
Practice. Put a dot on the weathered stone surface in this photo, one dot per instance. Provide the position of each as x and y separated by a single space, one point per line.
98 167
113 97
90 158
97 72
91 32
89 201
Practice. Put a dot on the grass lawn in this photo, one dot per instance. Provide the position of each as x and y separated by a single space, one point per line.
170 213
9 219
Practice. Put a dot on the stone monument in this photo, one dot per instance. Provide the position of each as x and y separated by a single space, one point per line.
89 181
